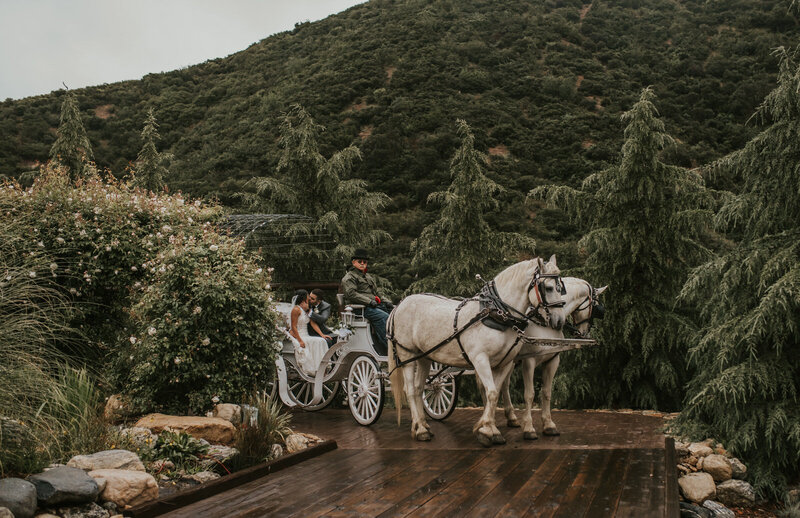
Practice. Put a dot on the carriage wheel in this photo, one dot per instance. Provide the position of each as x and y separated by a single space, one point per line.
303 393
365 391
440 394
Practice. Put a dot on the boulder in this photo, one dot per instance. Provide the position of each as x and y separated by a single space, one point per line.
738 469
202 477
300 441
212 429
736 493
694 511
107 459
697 487
90 510
792 495
700 449
140 437
718 510
116 409
64 485
718 467
18 496
126 487
46 515
6 513
218 454
229 412
160 465
275 451
681 449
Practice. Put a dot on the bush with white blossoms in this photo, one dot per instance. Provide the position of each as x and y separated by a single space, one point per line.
97 237
204 328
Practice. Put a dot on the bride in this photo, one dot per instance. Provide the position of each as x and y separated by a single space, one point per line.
308 350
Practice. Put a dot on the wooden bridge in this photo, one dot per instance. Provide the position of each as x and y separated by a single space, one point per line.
603 464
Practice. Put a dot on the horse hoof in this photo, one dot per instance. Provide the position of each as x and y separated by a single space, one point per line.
529 436
498 439
512 423
551 431
424 436
485 441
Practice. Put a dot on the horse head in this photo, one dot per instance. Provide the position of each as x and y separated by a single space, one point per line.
583 304
546 292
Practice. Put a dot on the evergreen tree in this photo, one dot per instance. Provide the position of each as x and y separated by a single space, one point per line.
460 243
150 169
72 148
747 385
642 219
340 207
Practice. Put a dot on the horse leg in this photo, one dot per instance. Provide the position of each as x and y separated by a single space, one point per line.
423 369
528 368
485 429
548 373
501 376
508 406
418 430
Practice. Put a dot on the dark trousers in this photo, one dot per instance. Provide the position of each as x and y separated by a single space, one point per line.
377 318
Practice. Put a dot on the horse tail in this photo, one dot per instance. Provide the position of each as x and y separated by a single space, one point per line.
395 374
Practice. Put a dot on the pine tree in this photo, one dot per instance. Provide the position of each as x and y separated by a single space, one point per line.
747 386
150 169
72 148
643 218
340 207
460 243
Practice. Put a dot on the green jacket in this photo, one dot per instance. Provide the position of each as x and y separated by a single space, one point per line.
359 288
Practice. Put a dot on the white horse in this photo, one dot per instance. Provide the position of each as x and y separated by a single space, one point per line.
422 329
580 303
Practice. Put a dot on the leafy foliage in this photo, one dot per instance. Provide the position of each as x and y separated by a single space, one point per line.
150 171
644 218
748 382
460 243
203 328
179 447
72 147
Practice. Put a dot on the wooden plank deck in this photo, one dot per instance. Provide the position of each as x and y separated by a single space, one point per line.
602 464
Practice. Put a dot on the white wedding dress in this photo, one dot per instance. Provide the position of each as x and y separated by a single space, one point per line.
310 356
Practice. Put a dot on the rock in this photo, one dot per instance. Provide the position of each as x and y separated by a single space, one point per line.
693 511
736 493
718 510
46 515
162 465
64 485
699 464
127 487
107 459
793 496
718 467
15 434
139 436
275 451
212 429
202 477
6 513
296 442
697 487
218 454
229 412
738 469
116 409
699 449
111 507
681 449
18 496
90 510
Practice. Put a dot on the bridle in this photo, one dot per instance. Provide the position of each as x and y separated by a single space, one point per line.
591 299
541 295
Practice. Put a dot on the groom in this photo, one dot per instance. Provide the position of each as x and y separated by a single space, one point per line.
320 313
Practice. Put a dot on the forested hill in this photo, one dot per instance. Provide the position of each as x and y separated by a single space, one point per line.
542 84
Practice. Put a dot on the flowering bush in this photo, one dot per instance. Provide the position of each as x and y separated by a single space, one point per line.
99 236
204 328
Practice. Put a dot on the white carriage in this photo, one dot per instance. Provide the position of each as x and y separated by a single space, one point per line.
354 365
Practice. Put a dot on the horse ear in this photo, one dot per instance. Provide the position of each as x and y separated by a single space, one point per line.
599 291
541 264
552 260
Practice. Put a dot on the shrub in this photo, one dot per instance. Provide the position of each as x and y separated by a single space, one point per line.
254 439
97 236
203 328
180 448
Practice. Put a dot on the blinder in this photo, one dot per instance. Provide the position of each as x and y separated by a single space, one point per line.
538 278
598 311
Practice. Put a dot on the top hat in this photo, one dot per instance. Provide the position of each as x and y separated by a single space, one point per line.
359 253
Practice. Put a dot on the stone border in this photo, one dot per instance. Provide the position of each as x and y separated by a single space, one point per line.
182 498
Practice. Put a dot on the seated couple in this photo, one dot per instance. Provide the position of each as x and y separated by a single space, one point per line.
359 287
307 327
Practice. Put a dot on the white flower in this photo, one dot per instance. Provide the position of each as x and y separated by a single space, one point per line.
197 310
60 240
206 341
133 339
166 228
208 375
108 248
31 274
259 271
270 269
245 356
151 331
213 248
215 399
40 244
197 203
177 361
53 266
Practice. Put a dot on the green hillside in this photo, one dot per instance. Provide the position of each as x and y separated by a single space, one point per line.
541 83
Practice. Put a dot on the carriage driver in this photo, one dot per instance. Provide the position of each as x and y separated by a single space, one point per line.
360 288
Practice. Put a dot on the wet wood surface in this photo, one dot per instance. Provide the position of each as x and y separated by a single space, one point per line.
602 464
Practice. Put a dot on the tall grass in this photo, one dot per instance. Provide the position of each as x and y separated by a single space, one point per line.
254 438
49 410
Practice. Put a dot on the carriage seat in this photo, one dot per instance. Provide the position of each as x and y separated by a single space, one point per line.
357 310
